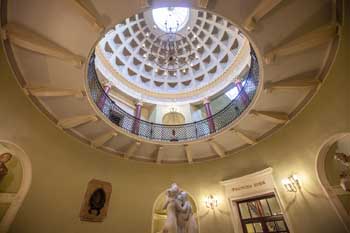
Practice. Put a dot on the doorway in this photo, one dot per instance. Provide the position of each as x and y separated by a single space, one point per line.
262 215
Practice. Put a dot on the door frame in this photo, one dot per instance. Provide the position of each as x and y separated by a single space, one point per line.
249 186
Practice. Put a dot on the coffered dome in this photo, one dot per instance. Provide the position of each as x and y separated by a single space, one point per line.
210 51
250 78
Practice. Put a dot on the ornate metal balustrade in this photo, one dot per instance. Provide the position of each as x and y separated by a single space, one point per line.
171 133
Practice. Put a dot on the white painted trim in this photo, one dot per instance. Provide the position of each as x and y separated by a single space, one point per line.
16 199
328 189
7 197
267 171
253 191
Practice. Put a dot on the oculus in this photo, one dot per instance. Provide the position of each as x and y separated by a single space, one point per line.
171 18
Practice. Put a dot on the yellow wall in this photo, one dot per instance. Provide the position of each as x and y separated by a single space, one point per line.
62 166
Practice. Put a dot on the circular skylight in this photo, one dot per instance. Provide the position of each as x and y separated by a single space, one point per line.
171 18
127 58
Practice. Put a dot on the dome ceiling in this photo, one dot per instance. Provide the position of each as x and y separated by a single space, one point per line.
125 56
49 67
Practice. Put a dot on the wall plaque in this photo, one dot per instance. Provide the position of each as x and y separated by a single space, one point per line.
95 204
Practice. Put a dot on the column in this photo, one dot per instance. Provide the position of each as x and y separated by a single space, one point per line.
241 92
207 108
137 115
106 88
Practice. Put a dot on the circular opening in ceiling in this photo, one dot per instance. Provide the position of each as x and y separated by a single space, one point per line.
144 62
148 59
171 19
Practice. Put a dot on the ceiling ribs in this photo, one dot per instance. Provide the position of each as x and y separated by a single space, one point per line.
159 154
30 40
217 148
307 41
103 139
71 122
248 139
132 149
299 81
262 9
89 14
188 153
53 92
274 117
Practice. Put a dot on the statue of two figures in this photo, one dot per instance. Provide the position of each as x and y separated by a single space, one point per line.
4 158
345 175
179 211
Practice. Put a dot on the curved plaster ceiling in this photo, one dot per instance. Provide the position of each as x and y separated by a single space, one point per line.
47 52
125 57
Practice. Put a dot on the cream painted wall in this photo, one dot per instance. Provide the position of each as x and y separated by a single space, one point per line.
62 166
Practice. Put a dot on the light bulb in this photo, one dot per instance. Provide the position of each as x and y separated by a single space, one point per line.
285 182
295 177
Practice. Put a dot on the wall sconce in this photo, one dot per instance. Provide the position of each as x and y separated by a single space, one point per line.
292 183
211 202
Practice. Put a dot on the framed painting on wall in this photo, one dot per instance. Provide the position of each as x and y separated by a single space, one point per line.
96 201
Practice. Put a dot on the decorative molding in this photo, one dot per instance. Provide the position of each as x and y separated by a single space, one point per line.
245 137
240 58
217 148
307 41
71 122
244 179
262 9
132 149
203 3
52 92
25 38
249 186
103 138
89 15
188 153
299 81
144 4
159 154
275 117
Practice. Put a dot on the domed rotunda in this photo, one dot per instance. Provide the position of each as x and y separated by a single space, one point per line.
228 115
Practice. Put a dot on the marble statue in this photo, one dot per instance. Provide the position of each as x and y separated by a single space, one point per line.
4 158
345 175
343 158
180 217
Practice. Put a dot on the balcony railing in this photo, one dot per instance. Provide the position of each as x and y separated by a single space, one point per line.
174 133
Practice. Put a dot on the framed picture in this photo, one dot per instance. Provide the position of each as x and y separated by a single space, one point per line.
96 201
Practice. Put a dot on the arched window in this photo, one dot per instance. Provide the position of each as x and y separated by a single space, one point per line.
15 185
173 118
